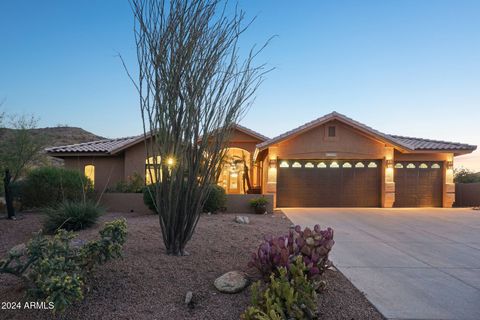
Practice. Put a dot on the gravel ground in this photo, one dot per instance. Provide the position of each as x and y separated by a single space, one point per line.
147 284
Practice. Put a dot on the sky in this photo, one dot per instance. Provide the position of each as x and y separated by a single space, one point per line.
403 67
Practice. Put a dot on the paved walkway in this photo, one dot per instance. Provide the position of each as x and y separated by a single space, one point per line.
410 263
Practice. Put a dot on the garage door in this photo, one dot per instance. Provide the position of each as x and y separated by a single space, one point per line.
418 184
327 183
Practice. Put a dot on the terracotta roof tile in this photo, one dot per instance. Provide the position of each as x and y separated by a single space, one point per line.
428 144
101 146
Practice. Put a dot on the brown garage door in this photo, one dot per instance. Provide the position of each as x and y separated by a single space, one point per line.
327 183
418 184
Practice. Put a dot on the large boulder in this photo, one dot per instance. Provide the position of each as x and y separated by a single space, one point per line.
231 282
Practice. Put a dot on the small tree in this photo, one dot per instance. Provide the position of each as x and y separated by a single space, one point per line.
466 176
193 87
19 149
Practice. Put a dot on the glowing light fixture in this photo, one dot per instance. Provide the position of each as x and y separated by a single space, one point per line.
389 163
170 161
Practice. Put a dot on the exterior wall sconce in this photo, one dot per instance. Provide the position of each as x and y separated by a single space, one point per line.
449 165
389 164
272 163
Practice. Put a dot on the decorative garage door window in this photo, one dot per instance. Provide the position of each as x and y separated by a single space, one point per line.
347 165
359 165
296 164
435 166
398 166
372 165
334 164
423 166
309 165
321 165
411 166
284 164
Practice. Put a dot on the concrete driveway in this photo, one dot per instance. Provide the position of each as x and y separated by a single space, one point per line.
410 263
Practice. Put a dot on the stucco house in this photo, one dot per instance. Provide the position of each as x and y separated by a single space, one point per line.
333 161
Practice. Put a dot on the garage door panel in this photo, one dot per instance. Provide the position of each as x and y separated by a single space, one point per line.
342 186
418 184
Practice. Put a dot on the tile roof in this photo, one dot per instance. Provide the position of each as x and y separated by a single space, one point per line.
106 146
428 144
259 136
402 142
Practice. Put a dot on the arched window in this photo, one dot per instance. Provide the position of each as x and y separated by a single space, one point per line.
321 165
411 166
152 169
423 166
284 164
89 171
372 165
309 165
334 164
347 165
359 165
398 166
435 166
296 165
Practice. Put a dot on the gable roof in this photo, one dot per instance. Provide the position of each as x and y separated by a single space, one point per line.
112 146
106 146
403 143
252 133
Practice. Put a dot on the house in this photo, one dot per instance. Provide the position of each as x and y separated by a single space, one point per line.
333 161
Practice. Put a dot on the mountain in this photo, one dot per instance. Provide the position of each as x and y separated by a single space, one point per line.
52 137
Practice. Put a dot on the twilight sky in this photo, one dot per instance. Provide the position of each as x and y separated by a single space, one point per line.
404 67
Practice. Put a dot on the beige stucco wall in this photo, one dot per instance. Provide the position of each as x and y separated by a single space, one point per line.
352 144
108 170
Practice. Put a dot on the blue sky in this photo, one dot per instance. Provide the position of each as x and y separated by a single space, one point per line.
403 67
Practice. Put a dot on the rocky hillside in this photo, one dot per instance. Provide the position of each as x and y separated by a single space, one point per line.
55 136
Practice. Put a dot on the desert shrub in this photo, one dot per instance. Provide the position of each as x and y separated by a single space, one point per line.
288 295
216 199
149 197
466 176
55 270
134 184
72 216
312 245
49 186
257 202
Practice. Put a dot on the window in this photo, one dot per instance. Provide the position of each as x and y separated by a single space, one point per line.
332 131
90 173
411 166
347 165
152 170
334 165
321 165
309 165
284 164
423 166
435 166
398 166
372 165
296 165
359 165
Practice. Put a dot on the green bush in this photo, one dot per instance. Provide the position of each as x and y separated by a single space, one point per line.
257 202
134 184
216 199
149 197
288 295
55 271
466 176
72 216
49 186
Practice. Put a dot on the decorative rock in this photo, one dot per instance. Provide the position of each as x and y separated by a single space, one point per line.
19 249
476 208
242 220
231 282
189 299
